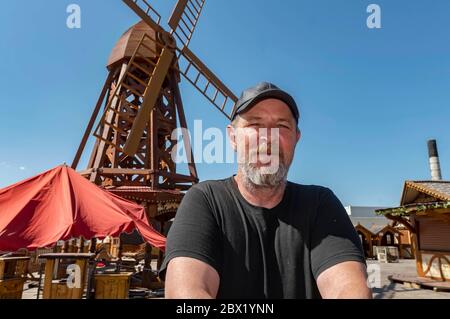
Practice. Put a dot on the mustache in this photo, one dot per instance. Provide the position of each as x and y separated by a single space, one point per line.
266 149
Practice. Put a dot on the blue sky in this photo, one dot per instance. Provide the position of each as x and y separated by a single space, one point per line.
369 99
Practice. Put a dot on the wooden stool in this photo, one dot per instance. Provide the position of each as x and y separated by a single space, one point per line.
112 286
13 271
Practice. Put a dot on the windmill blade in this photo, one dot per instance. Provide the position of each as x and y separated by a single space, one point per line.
205 81
184 19
151 95
146 12
146 91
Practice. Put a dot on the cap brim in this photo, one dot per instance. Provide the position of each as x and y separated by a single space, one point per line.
276 94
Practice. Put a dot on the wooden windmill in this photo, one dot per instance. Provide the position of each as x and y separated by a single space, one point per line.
142 107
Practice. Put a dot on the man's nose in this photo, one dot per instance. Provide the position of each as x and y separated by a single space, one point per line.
266 135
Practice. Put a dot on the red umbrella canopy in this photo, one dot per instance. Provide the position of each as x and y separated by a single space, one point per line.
61 204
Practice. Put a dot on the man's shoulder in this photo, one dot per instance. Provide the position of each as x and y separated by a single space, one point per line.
311 194
309 188
211 186
209 194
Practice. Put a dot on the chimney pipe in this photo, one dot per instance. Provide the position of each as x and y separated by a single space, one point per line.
433 157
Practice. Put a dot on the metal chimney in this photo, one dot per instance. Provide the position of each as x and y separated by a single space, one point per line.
433 157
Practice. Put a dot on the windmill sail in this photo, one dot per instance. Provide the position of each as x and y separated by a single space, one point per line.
184 19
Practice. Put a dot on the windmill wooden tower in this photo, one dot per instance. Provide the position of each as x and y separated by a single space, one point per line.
142 105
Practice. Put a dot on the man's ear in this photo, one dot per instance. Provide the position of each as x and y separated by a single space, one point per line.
232 136
299 135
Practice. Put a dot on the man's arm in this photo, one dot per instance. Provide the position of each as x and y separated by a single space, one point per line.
193 249
337 258
344 280
191 278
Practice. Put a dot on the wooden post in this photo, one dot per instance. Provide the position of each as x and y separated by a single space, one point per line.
64 247
80 245
183 124
49 265
93 246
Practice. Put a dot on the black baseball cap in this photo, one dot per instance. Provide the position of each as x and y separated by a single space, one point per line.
262 91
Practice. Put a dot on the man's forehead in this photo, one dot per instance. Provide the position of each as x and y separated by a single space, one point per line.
278 110
280 117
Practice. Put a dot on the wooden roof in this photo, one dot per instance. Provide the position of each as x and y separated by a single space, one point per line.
384 229
363 229
128 43
425 191
372 224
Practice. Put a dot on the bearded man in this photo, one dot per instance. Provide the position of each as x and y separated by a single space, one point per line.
256 234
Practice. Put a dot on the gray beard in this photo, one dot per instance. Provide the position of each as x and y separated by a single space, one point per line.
255 177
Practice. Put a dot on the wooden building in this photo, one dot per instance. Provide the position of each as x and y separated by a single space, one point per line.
406 247
387 236
425 212
366 237
375 232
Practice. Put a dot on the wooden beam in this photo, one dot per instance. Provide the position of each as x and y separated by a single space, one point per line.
183 125
177 13
178 177
402 221
91 123
86 171
126 171
207 73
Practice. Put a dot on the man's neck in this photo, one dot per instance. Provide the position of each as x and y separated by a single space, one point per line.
260 196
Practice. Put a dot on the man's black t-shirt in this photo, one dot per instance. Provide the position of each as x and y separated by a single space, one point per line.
259 252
